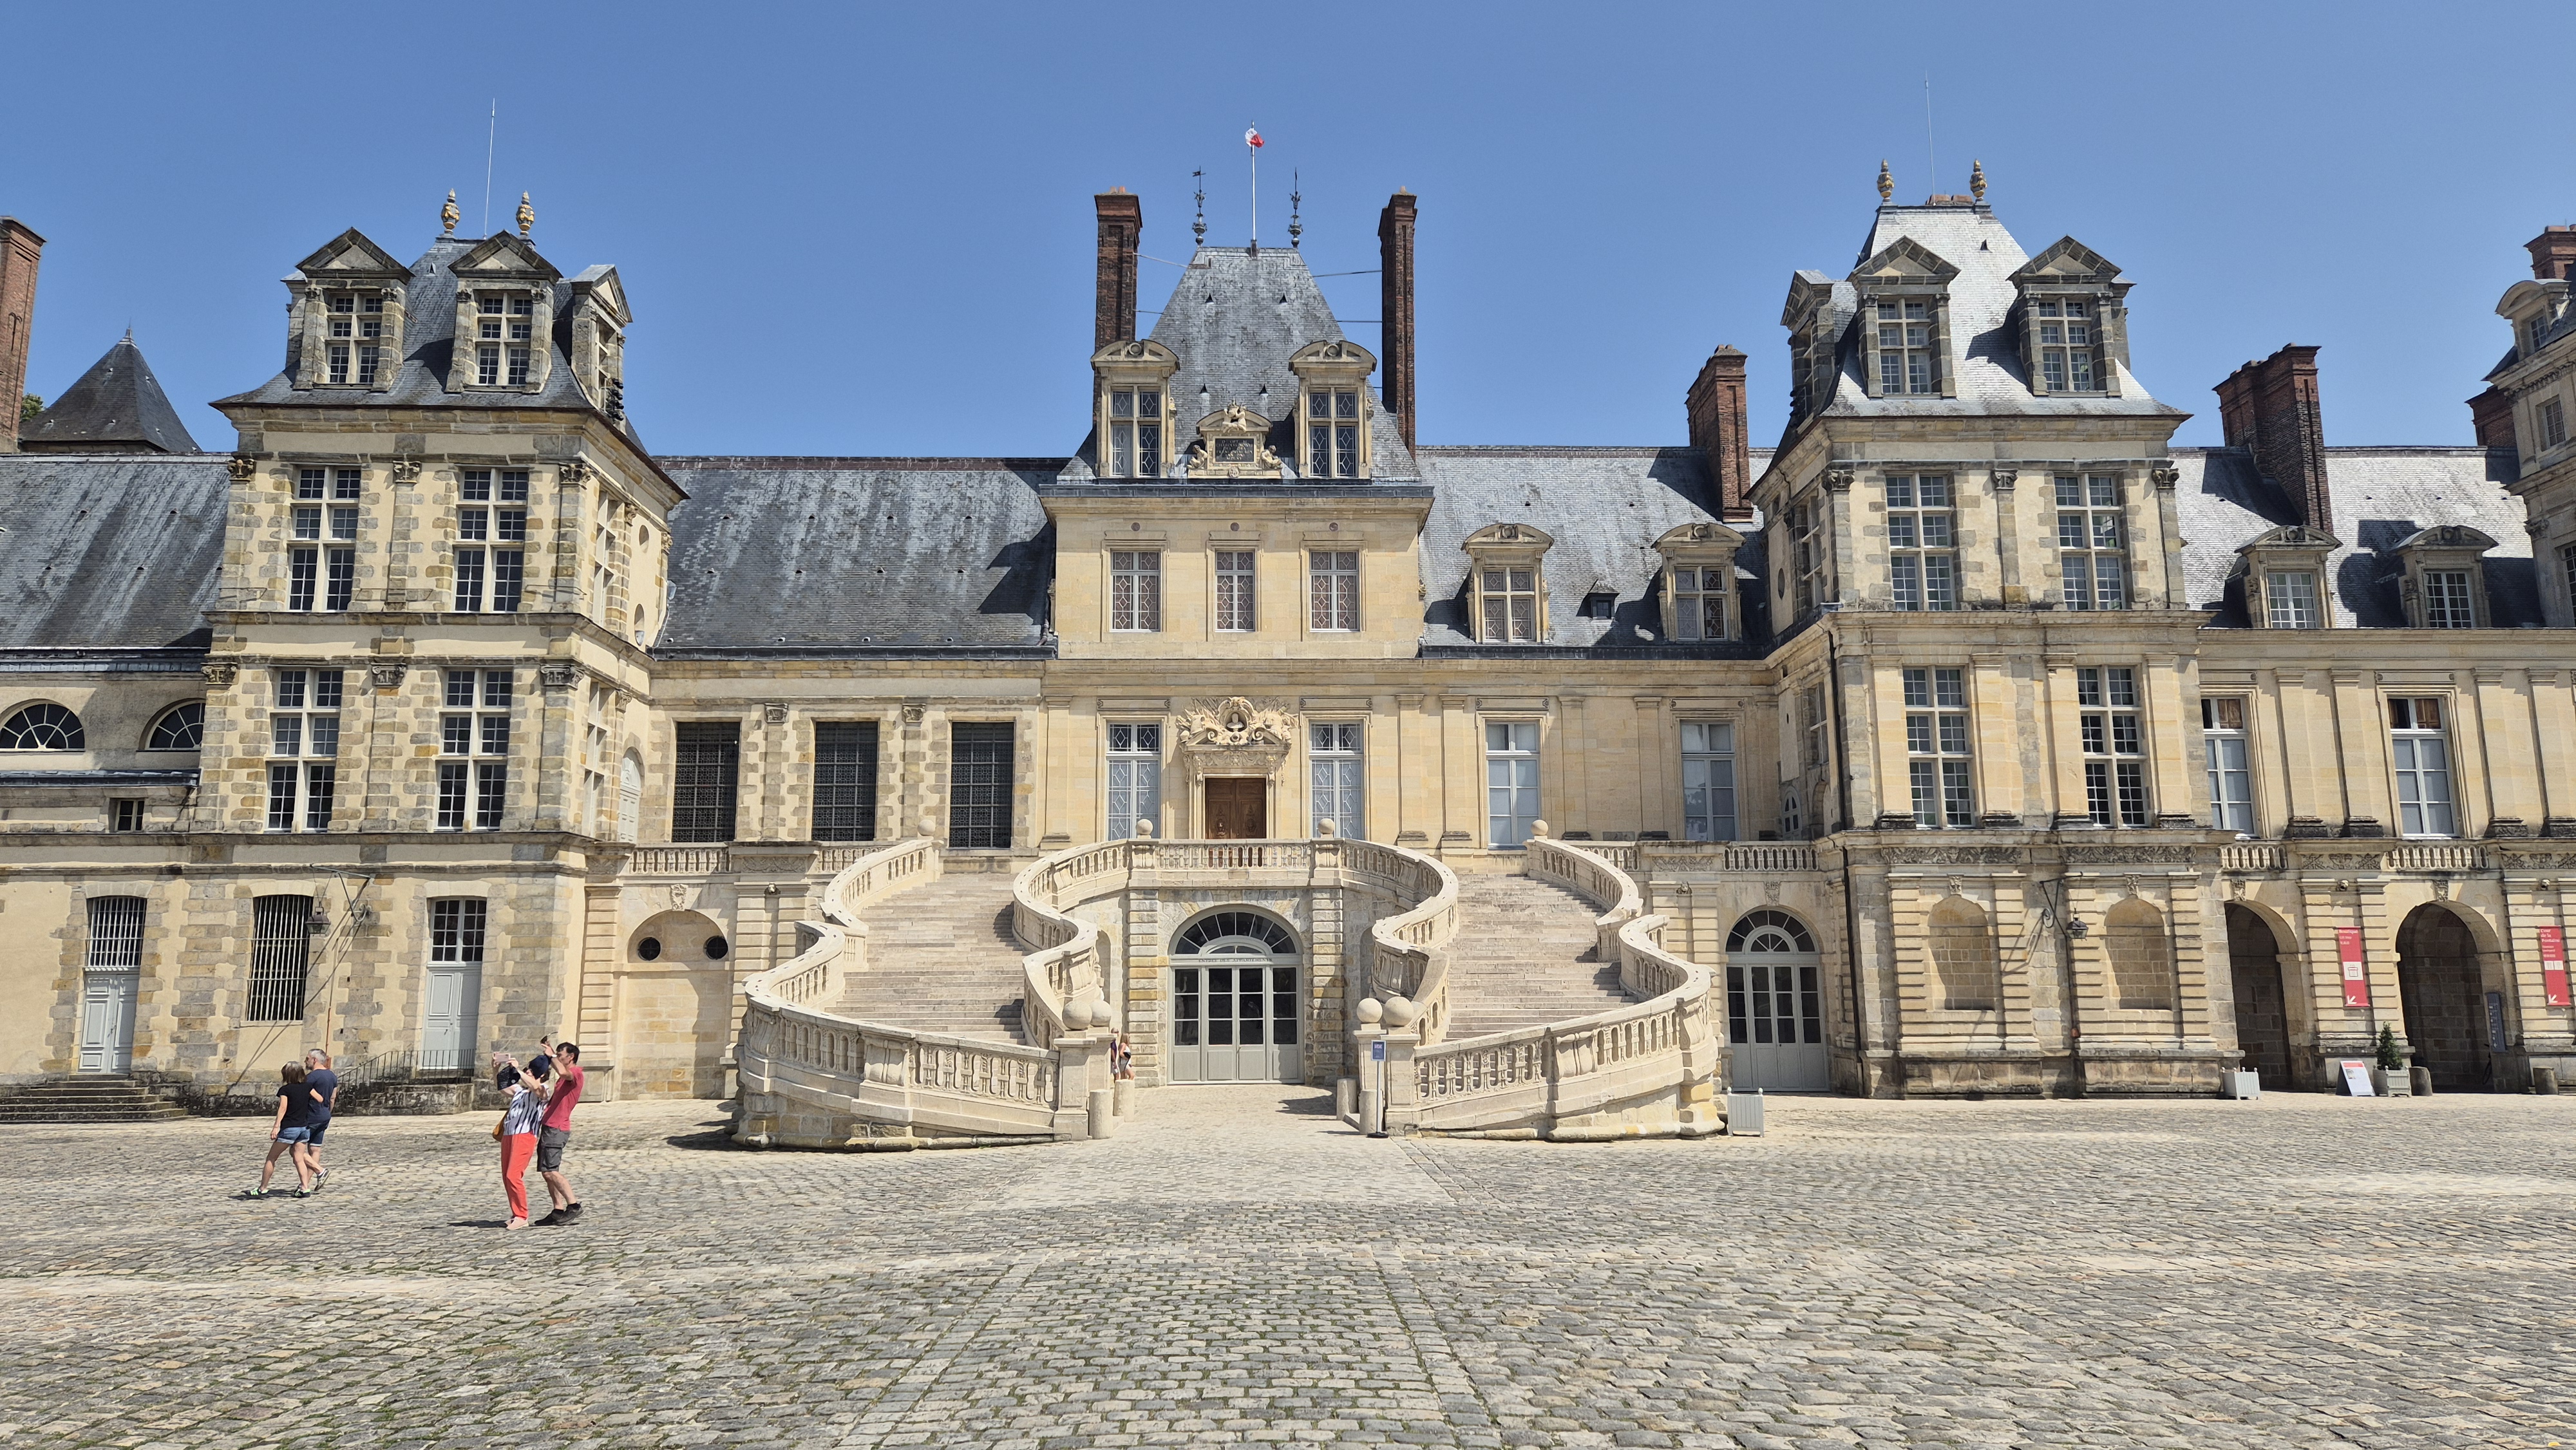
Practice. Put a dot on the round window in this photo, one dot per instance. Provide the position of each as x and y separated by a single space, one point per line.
650 949
716 948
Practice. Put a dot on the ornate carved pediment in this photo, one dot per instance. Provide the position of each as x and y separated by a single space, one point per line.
1233 442
1238 723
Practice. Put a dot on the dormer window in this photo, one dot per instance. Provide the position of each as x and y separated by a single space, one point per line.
351 351
2073 320
1700 560
2066 339
2442 579
2284 572
1333 408
1131 380
1508 596
1333 434
1906 361
1509 605
504 337
1135 433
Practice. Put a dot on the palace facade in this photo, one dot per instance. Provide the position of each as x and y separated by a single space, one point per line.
1974 739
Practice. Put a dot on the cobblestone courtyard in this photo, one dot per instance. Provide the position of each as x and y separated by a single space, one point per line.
1235 1267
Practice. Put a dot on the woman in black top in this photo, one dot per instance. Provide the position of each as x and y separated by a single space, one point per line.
299 1107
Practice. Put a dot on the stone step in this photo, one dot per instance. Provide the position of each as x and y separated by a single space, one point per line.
1526 958
941 958
87 1100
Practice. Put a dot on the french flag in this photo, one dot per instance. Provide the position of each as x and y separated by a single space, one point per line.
1252 137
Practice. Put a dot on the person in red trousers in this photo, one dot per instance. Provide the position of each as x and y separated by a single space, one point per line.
518 1133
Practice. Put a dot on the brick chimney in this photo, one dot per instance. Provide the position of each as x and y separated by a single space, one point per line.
2270 409
2553 253
1395 310
2491 414
1715 407
20 249
1122 227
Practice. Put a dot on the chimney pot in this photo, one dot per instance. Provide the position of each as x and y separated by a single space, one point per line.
1395 309
1714 407
2271 409
1122 228
2553 253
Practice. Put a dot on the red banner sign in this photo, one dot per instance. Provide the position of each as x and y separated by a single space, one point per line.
2356 980
2553 964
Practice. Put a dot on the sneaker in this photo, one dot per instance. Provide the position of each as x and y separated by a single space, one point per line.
571 1212
551 1219
252 1193
304 1193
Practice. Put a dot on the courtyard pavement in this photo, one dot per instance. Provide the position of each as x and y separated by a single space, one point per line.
1236 1267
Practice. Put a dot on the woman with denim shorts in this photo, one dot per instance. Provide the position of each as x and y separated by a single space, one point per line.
298 1108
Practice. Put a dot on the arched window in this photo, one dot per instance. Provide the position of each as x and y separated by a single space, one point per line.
42 726
1770 931
1963 957
2133 937
181 727
1234 933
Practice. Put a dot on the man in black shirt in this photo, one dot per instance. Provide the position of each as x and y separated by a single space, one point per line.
325 1085
292 1131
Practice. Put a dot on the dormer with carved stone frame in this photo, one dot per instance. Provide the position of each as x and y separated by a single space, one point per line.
1333 407
599 321
2443 577
2533 307
1815 366
1233 442
1699 583
505 318
1905 322
1132 408
1507 588
2286 584
2071 314
345 327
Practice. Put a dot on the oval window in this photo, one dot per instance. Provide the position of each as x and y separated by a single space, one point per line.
650 949
716 948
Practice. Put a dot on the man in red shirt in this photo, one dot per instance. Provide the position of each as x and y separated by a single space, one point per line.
554 1130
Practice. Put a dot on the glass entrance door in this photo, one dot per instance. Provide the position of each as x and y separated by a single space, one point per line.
1775 1006
1235 1020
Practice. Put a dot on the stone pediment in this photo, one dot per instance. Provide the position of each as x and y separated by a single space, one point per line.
1336 350
1504 538
1238 723
504 257
1233 442
353 256
602 287
2293 536
2067 260
1808 290
1905 260
1705 535
2448 536
1137 350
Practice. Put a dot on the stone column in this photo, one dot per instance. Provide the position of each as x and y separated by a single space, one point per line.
2368 808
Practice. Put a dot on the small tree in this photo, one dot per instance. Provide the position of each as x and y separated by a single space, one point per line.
29 405
2389 1058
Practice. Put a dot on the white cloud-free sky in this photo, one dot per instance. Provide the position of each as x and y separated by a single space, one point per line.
868 230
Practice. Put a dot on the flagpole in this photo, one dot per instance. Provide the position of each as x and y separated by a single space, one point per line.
1254 152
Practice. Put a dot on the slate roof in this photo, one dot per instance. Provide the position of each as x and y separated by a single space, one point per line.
109 551
1604 507
1233 320
897 555
429 342
2381 495
1985 349
115 407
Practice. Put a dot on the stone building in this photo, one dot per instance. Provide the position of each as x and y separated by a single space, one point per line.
1972 740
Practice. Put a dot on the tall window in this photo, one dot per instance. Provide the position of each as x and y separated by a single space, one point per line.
2446 600
1333 590
1135 778
2423 758
492 538
281 945
2067 362
706 774
1708 780
1333 435
1906 362
2115 766
1234 590
456 929
1814 726
1936 744
303 572
115 933
1333 756
487 346
1511 783
505 333
1699 603
303 748
1510 599
2231 784
594 760
1135 590
474 750
1135 433
979 786
2552 418
2091 553
1922 542
845 781
1806 535
2290 599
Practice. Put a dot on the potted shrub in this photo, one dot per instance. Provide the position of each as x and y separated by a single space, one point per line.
2388 1065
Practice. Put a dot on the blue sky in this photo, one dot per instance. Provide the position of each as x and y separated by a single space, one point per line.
860 230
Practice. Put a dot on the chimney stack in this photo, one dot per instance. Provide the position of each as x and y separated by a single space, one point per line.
1395 310
2270 409
2491 414
2553 253
1122 228
20 249
1715 407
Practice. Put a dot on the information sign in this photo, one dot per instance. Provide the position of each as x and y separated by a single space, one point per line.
2356 979
2553 965
2356 1078
2495 1021
1377 1050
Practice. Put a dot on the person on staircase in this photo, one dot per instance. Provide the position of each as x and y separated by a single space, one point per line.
326 1086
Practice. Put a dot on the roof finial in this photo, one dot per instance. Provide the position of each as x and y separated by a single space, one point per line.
1198 229
527 214
1886 185
1295 227
448 214
1977 180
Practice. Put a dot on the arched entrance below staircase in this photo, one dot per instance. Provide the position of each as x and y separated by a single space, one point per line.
1775 1005
2444 996
2262 1004
1236 999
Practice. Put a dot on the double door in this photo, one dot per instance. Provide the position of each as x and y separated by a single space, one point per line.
1775 1022
107 1022
1237 807
1234 1019
447 1020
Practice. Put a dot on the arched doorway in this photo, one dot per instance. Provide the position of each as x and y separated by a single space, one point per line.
2262 1003
2443 993
1775 1005
1235 1000
674 1008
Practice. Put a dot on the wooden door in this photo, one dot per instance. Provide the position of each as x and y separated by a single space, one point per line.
1235 808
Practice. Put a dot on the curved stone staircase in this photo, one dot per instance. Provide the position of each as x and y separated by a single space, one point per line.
1532 958
941 958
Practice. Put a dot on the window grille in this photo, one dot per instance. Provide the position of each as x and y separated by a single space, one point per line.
706 775
2446 600
845 781
1135 590
1333 590
1907 362
1234 592
979 786
115 933
1333 754
281 948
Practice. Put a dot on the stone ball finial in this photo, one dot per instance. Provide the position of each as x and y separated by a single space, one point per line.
1886 184
929 825
1400 1013
1370 1011
448 215
1538 829
527 214
1144 829
1977 180
1325 829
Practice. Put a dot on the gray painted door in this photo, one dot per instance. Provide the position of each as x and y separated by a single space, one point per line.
1235 1019
107 1022
447 1022
1775 1021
